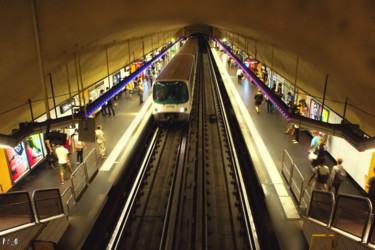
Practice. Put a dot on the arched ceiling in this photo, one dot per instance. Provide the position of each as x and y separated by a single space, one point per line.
329 37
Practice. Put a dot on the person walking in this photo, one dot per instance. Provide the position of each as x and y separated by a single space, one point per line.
104 106
370 184
63 161
239 74
78 146
320 177
258 100
140 92
100 140
314 141
338 175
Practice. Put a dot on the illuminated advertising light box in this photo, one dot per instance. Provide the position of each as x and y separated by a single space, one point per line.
34 150
316 111
17 160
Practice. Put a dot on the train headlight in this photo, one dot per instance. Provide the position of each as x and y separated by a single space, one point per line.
158 110
182 110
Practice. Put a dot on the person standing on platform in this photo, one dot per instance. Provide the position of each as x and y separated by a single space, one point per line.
140 92
110 109
370 184
270 106
258 100
320 176
338 175
104 106
239 74
63 161
100 140
78 146
279 90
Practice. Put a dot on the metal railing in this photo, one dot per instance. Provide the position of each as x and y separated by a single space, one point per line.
295 180
350 215
18 210
79 180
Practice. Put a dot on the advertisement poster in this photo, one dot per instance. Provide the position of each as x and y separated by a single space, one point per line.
316 111
34 150
17 161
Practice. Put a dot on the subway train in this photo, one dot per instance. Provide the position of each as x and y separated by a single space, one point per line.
172 92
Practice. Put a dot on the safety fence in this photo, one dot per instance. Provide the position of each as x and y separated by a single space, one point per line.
79 180
349 217
43 219
24 219
295 181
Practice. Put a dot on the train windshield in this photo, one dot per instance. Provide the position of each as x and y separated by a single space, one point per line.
170 92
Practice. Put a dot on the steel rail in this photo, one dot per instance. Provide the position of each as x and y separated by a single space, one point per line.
120 226
251 231
170 219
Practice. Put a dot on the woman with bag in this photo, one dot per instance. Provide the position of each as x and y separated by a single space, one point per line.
320 177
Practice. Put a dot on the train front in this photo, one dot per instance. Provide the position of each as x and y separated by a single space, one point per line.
171 101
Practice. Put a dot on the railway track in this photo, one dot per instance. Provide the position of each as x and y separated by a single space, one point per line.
189 192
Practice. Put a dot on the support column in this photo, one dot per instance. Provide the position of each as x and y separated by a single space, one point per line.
53 94
40 59
324 96
107 62
129 51
295 80
77 77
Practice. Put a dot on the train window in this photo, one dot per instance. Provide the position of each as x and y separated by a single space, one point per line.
170 92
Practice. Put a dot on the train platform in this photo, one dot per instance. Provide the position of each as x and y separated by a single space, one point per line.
272 127
128 118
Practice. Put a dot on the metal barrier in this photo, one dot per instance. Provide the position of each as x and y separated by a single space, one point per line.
287 167
67 198
18 211
352 214
349 215
47 203
79 181
91 163
295 180
297 183
321 206
305 200
15 210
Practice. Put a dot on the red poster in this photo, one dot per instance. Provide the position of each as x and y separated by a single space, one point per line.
17 161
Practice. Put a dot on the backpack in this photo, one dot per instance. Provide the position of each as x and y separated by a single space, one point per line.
340 175
322 179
